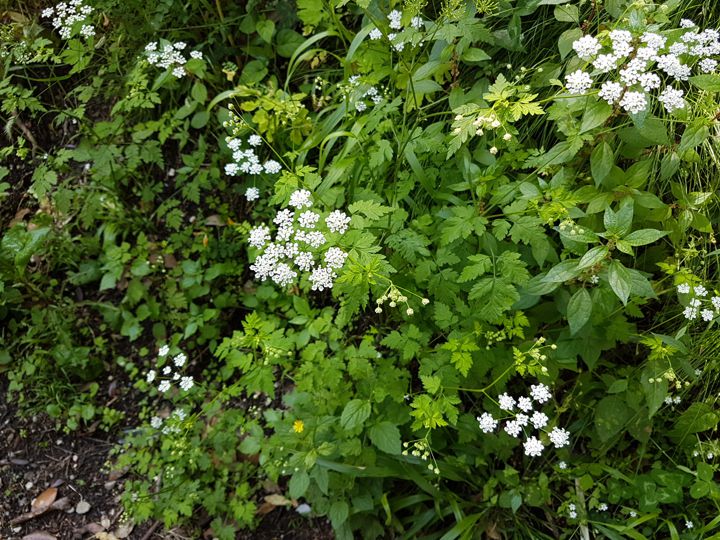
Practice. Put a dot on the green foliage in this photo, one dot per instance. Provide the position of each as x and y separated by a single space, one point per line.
502 233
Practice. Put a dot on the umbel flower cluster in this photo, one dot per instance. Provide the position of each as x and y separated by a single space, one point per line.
699 303
525 420
359 93
70 18
167 376
169 56
396 26
299 245
246 161
630 68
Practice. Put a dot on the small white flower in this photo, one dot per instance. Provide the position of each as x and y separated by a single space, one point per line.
686 23
252 194
690 313
689 525
180 360
487 422
272 167
255 140
163 351
284 217
634 102
708 65
707 315
572 514
308 219
603 507
259 236
300 199
178 72
155 422
394 17
522 419
700 290
197 55
304 261
578 82
559 437
186 383
151 375
506 402
540 393
586 47
633 514
524 404
167 370
375 34
539 420
533 447
322 278
416 22
562 465
649 81
683 288
715 302
164 386
605 62
337 221
512 428
672 99
335 258
493 150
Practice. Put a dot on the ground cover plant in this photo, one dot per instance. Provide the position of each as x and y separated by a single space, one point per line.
421 270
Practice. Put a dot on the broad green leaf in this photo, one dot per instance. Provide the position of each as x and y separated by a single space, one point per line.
602 160
643 237
593 257
579 310
265 30
354 414
693 135
611 415
338 513
298 485
709 82
595 115
620 280
619 223
563 271
386 436
567 13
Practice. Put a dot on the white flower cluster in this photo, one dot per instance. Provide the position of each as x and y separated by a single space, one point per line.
360 94
699 303
641 63
246 161
168 377
69 18
171 424
521 423
169 56
395 23
295 245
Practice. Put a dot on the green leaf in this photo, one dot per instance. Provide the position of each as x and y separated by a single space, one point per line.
199 92
619 223
298 485
595 115
697 418
602 160
709 82
643 237
370 209
386 436
620 280
656 391
567 14
593 257
200 119
431 384
567 38
265 30
611 415
354 414
694 134
562 272
579 310
338 513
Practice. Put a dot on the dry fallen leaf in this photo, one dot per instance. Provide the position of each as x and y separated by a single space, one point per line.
124 530
277 500
39 535
43 501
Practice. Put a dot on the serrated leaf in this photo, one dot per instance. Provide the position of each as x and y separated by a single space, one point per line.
562 272
370 209
431 384
386 436
354 414
579 310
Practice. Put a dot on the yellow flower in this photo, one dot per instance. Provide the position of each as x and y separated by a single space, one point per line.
298 426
